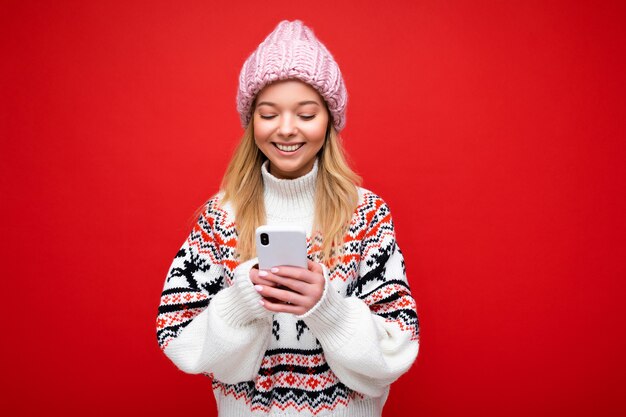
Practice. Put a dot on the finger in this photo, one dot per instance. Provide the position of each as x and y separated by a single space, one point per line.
282 295
301 274
264 282
271 300
315 267
256 279
286 282
278 307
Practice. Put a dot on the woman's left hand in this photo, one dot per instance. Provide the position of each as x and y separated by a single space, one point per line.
303 288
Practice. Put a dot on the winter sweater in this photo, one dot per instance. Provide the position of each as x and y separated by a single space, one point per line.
338 359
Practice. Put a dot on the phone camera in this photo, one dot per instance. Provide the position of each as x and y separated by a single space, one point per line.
265 239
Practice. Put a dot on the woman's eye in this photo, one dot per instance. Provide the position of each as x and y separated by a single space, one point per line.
271 116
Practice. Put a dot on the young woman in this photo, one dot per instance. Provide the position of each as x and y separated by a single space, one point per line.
327 340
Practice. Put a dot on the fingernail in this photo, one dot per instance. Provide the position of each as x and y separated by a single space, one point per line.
274 270
259 288
262 273
261 302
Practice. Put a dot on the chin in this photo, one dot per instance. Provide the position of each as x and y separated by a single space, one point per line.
288 168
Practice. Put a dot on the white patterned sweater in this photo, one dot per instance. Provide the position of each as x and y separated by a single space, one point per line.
338 359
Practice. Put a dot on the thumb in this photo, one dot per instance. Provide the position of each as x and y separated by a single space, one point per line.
315 267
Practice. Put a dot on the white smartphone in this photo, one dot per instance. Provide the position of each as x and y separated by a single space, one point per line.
281 245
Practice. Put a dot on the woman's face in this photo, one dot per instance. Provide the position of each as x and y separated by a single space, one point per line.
290 121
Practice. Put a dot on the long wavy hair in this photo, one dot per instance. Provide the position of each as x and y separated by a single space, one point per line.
336 195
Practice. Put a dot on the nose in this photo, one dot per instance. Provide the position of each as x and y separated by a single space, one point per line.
287 126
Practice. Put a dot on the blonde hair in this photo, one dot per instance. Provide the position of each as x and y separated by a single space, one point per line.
336 195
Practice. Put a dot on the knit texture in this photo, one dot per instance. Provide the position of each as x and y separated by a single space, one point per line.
337 359
292 51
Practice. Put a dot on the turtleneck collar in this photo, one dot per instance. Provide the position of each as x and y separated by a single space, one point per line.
289 198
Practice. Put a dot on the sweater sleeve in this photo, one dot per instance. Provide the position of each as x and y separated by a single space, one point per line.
205 325
371 336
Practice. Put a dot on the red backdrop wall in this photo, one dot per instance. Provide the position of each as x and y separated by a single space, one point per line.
494 130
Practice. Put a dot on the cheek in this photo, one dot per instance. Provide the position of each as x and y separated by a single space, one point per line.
261 132
316 132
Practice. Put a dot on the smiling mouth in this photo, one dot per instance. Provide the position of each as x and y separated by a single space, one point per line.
289 148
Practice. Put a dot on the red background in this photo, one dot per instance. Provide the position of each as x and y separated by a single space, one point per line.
494 130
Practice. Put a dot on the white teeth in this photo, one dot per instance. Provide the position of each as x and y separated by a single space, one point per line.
288 148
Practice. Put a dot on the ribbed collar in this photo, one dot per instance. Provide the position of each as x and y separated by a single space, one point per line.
289 199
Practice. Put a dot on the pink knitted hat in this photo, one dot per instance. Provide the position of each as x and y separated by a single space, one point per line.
292 51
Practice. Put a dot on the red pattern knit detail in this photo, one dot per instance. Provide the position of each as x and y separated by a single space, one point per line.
175 318
405 301
310 380
293 359
291 379
182 298
232 391
383 293
303 407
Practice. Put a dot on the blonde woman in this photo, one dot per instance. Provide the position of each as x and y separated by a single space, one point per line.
327 340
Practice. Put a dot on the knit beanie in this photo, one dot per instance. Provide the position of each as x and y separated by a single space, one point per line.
292 51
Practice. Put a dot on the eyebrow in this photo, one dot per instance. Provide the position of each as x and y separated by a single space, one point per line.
302 103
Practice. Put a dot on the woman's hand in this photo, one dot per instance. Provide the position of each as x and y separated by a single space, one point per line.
256 279
291 289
